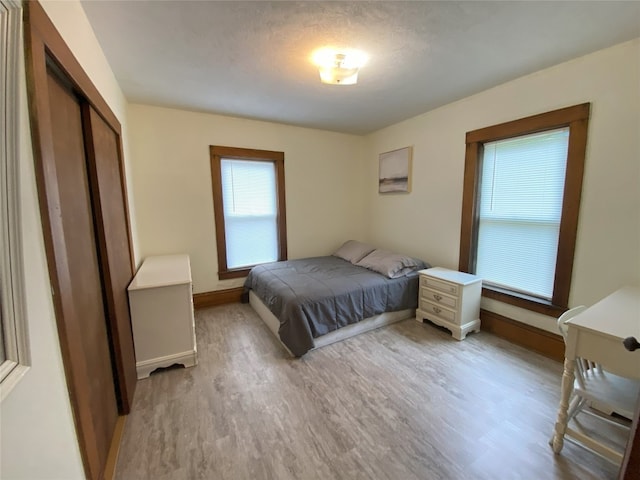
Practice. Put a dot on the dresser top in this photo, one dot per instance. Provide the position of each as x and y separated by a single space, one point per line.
162 271
454 276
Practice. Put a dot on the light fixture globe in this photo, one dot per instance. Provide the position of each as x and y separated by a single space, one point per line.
339 67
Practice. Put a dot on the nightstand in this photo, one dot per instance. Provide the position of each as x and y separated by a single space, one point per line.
450 299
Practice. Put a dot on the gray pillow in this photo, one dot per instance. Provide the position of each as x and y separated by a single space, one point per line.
353 250
393 265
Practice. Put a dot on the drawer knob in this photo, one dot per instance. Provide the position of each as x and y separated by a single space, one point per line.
436 310
631 344
437 297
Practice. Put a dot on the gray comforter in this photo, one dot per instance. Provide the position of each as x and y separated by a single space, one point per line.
314 296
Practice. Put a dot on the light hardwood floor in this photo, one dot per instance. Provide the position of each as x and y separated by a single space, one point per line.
402 402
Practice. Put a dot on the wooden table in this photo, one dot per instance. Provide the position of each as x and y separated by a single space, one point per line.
597 334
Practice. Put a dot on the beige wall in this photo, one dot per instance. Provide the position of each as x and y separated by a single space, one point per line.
427 221
37 432
172 181
331 179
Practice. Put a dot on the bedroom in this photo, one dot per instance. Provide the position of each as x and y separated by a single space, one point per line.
610 202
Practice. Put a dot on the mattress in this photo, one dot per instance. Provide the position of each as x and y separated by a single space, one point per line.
312 297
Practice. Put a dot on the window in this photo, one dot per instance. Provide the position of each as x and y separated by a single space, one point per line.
522 187
14 351
249 208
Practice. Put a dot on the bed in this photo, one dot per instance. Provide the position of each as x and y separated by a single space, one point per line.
312 302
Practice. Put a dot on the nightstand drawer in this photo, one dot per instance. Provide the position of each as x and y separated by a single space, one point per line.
435 296
450 288
438 311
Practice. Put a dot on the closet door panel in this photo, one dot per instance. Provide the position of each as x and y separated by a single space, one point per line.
79 276
107 185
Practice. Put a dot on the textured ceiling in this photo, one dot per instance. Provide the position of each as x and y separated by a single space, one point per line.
252 59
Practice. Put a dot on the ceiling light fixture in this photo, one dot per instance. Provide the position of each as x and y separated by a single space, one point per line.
339 67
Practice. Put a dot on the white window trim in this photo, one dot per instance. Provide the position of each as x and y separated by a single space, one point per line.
14 327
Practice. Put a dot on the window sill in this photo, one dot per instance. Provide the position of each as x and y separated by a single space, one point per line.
229 274
12 379
523 301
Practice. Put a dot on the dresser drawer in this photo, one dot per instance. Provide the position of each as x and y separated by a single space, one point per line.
438 311
436 296
450 288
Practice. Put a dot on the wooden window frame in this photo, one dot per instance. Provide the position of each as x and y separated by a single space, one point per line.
577 119
217 153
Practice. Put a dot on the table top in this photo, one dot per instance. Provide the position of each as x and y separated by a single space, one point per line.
616 316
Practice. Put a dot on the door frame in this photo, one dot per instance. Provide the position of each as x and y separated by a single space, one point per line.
44 44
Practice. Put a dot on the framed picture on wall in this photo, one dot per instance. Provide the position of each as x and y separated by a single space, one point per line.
394 174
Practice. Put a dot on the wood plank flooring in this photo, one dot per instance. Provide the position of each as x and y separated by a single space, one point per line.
402 402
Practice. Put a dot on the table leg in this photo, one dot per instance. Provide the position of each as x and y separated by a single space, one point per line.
565 394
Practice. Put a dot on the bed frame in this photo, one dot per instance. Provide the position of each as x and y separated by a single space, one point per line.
349 331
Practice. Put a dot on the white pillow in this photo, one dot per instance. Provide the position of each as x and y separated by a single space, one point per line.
393 265
353 251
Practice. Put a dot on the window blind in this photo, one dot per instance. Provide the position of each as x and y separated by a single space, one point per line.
250 212
521 193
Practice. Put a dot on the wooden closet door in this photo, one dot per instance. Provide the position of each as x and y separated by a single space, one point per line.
106 178
84 336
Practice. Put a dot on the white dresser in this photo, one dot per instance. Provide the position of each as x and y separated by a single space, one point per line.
450 299
161 303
